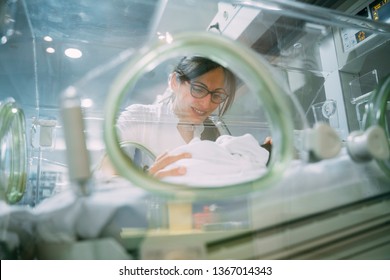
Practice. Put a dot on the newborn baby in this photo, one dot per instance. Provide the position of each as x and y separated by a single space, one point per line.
226 161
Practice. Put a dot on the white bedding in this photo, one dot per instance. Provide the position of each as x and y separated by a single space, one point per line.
228 160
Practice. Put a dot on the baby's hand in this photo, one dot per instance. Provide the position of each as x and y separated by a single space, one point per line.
162 161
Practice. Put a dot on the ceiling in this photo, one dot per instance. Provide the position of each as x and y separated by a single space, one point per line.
35 35
33 67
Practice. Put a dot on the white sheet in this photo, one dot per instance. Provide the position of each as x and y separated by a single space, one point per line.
228 160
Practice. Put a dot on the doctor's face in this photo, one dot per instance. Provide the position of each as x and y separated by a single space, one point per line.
195 100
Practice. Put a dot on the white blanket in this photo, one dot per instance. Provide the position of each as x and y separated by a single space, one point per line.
228 160
66 217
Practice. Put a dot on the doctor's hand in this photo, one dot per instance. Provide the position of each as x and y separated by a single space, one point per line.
162 161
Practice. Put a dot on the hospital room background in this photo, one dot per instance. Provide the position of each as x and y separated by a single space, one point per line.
311 74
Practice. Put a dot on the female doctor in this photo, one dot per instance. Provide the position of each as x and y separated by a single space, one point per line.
197 87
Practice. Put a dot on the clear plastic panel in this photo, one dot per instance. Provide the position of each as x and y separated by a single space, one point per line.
361 91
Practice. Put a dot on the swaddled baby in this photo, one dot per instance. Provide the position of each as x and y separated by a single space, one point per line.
228 160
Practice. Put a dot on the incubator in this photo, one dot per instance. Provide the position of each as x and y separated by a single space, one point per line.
312 75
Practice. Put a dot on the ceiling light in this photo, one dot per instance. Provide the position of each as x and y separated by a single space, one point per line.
48 39
73 53
3 40
50 50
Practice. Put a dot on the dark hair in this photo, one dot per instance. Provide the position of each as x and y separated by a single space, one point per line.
192 67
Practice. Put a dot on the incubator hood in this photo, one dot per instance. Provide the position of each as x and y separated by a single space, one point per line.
312 75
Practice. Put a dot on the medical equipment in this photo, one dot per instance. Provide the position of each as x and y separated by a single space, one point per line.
325 193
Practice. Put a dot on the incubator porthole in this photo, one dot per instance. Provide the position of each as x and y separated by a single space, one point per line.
13 152
253 71
377 115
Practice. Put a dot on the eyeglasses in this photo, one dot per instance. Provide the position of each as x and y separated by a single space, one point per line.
199 91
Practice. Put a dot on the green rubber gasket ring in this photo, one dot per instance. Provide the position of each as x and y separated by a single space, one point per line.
253 70
13 127
376 115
